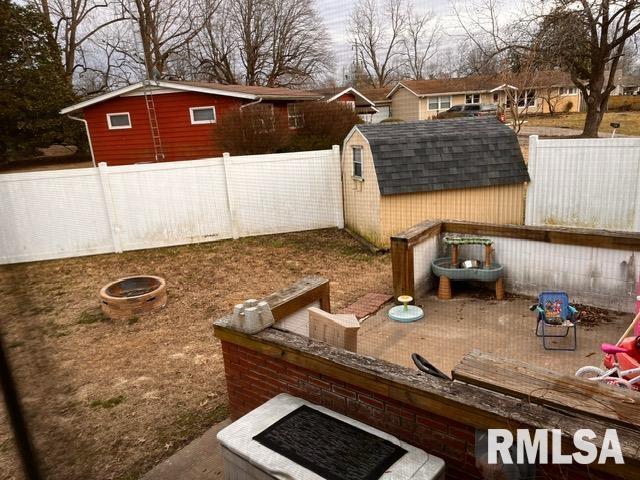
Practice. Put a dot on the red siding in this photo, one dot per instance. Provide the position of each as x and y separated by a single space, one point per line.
347 97
180 139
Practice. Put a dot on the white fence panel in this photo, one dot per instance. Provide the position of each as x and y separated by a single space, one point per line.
68 213
285 192
175 203
52 215
600 277
590 183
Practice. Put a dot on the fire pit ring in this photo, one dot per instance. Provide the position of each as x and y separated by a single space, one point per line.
132 296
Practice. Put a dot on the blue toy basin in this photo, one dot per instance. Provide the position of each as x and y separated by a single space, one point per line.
405 315
442 267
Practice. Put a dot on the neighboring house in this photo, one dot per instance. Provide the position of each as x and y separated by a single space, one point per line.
399 174
363 106
627 85
424 99
174 120
383 104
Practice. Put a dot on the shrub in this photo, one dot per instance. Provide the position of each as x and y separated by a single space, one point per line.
324 125
568 106
392 120
256 129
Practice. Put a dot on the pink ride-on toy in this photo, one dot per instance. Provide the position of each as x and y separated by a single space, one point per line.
622 363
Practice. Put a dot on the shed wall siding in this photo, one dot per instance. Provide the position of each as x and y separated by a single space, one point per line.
500 204
405 105
361 198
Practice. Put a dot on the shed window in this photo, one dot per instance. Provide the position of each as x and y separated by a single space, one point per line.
118 121
472 98
296 119
357 162
439 103
200 115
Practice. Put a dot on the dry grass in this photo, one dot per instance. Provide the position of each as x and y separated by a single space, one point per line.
629 121
109 399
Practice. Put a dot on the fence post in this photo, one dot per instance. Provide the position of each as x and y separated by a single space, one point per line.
103 172
226 158
402 267
336 160
532 163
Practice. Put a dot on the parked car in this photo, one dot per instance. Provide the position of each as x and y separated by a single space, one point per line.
470 110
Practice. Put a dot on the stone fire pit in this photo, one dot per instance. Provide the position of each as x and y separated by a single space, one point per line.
132 296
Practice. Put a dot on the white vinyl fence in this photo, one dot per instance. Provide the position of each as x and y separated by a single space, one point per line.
590 183
67 213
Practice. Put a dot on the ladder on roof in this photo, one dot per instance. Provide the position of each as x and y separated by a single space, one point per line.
153 120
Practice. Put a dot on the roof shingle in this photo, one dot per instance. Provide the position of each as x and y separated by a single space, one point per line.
433 155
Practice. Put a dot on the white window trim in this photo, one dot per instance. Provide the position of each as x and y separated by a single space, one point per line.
295 115
575 91
118 127
203 122
439 97
353 162
472 95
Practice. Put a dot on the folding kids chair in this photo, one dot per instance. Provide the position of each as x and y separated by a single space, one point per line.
555 313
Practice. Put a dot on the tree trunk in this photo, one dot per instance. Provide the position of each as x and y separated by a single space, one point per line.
591 122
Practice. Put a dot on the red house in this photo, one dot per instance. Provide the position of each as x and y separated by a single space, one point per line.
175 120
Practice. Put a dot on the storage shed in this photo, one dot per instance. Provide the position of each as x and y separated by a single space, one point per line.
399 174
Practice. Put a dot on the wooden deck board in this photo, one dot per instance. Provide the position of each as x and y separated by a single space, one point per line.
547 388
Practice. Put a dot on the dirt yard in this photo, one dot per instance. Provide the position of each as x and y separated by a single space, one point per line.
109 399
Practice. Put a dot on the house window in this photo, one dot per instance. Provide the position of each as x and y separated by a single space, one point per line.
472 98
527 98
117 121
439 103
201 115
357 162
296 119
568 90
262 117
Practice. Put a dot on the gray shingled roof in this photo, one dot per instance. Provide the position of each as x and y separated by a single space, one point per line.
435 155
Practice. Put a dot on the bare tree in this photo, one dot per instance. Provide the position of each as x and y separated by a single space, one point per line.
75 22
103 66
265 42
217 48
376 32
298 45
588 39
489 36
420 41
165 27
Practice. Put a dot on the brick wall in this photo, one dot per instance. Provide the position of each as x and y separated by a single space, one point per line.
253 378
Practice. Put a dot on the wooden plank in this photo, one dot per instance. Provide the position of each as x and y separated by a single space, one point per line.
402 267
545 387
419 232
461 402
291 299
560 235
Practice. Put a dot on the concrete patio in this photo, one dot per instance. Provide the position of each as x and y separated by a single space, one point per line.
474 320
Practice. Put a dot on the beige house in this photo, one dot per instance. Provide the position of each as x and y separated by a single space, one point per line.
398 174
424 99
